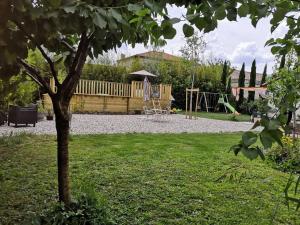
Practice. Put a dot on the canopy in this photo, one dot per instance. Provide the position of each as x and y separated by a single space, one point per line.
143 73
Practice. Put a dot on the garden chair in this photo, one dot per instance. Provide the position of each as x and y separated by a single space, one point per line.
147 111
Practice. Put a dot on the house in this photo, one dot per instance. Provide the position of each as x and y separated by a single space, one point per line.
147 57
235 84
235 78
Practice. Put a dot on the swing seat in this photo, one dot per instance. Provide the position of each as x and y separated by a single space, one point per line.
221 100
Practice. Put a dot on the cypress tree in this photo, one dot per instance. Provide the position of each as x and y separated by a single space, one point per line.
252 82
282 62
241 83
228 88
264 76
224 75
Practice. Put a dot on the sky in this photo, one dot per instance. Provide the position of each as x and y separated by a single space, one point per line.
237 42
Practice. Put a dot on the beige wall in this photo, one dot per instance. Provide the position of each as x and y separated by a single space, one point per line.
104 104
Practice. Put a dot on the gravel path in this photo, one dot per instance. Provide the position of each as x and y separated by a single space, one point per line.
109 124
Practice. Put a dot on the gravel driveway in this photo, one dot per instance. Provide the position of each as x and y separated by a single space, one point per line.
109 124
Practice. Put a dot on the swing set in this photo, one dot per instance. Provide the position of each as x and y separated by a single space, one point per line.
211 102
207 101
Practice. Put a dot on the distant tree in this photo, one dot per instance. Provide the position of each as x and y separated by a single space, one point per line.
224 75
264 76
282 62
194 48
228 87
252 82
241 83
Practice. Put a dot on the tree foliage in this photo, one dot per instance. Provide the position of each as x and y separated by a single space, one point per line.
224 75
284 87
194 48
252 81
241 83
264 76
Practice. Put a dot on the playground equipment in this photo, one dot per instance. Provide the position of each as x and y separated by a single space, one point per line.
189 93
210 102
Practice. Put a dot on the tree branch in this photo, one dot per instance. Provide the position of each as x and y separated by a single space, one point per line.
47 58
68 46
69 84
35 76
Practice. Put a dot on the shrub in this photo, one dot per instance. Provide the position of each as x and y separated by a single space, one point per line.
86 210
112 73
286 158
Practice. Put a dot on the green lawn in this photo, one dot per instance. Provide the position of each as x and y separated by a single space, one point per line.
223 116
147 179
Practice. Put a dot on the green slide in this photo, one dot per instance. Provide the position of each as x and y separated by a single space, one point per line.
230 107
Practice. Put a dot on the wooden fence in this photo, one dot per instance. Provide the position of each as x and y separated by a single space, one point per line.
93 87
104 88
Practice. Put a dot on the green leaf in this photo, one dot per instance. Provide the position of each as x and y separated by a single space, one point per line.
260 153
266 139
99 20
134 7
174 20
276 135
188 30
236 148
116 15
249 138
297 185
55 3
167 30
255 125
269 42
273 125
243 10
69 9
231 14
143 12
200 23
156 31
254 21
250 153
134 20
220 13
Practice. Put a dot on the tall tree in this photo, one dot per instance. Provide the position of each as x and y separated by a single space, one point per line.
224 75
282 62
264 76
241 83
252 82
194 48
228 86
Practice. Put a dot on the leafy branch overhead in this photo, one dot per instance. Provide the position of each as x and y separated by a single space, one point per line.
57 25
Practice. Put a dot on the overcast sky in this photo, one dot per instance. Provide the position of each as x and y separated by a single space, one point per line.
235 41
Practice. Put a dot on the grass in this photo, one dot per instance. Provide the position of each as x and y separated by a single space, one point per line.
223 116
147 179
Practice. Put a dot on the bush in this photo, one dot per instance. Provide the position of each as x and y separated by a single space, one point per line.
86 210
104 73
286 158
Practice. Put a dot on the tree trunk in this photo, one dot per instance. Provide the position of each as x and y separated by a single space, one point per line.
62 120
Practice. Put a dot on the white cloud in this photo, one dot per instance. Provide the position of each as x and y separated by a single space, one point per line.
246 52
236 41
